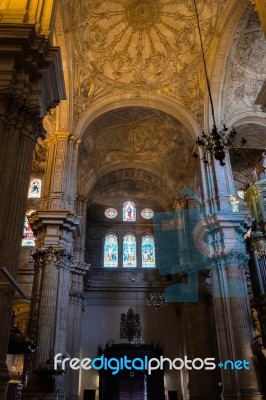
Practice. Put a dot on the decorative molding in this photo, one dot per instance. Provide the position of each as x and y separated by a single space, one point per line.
245 70
50 255
41 68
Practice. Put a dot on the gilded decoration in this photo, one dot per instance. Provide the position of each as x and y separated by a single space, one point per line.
140 42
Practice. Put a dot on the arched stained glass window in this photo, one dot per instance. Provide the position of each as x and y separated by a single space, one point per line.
28 236
129 251
148 251
111 250
129 211
35 188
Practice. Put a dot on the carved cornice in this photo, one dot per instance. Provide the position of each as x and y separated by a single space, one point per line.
80 268
28 64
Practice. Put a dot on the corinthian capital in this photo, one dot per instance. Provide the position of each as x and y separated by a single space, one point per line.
51 256
16 111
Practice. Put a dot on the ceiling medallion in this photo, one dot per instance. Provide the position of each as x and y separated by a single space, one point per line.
142 14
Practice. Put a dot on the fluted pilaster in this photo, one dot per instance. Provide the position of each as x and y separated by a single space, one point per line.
79 272
20 125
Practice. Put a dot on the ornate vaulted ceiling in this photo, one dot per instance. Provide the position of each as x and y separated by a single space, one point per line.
140 42
139 47
148 51
139 138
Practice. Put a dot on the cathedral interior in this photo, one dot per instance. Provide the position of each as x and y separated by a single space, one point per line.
133 198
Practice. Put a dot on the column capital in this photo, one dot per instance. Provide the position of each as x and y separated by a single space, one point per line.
56 228
51 255
16 111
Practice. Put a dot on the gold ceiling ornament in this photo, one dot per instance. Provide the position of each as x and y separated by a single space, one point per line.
140 42
143 14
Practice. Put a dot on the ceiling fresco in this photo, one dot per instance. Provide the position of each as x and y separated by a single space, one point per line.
136 42
140 48
140 137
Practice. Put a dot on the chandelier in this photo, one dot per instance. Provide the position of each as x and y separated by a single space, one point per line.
137 341
157 300
217 142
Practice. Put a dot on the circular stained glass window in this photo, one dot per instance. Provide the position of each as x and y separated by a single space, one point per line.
147 213
241 194
111 213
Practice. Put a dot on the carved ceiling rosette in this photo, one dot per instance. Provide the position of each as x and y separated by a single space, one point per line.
140 42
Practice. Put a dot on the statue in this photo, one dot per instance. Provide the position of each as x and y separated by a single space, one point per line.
255 174
234 204
263 160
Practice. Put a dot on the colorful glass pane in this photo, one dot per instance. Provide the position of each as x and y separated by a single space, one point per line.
35 188
129 251
111 251
111 213
148 251
129 211
147 213
28 236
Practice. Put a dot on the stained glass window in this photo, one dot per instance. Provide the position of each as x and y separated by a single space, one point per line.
28 236
148 251
129 251
147 213
129 211
111 251
35 188
111 213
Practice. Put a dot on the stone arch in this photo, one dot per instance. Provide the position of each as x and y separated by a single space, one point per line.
158 102
166 190
229 24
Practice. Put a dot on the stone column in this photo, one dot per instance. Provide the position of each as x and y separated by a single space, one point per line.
50 298
231 304
79 273
19 128
28 63
224 237
82 206
59 190
57 228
